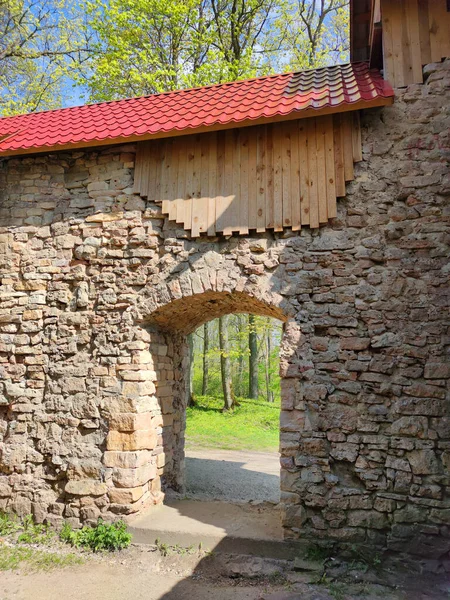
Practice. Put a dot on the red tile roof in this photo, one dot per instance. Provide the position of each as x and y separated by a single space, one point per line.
230 104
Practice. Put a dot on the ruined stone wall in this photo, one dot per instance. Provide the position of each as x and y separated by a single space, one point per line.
98 292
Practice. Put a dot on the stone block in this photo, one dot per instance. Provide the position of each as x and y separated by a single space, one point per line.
85 487
127 460
367 518
137 440
126 495
131 478
130 421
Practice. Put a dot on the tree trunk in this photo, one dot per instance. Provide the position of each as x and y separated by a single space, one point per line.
253 358
205 359
268 352
240 373
190 392
225 363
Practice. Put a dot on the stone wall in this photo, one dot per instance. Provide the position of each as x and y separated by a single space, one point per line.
98 291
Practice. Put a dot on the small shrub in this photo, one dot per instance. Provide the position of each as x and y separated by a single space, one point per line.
34 533
8 524
104 536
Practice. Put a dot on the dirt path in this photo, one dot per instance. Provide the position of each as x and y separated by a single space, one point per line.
233 476
143 573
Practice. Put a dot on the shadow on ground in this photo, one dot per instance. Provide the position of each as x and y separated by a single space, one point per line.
232 476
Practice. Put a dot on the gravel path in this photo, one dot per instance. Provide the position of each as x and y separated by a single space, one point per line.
233 476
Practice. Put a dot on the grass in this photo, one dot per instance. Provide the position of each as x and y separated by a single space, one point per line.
36 546
13 557
253 425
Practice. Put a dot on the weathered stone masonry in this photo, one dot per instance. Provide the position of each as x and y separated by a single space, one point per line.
98 291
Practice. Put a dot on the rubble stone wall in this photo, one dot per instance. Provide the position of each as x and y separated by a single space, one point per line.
98 291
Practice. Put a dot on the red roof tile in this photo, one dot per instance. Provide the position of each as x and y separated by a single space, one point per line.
214 106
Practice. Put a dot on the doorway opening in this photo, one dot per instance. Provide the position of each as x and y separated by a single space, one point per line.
233 410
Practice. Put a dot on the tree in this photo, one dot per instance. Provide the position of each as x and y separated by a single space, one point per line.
40 42
225 363
148 46
205 358
314 33
190 379
253 390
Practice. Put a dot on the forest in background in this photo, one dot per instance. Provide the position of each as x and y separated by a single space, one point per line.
236 407
57 53
249 346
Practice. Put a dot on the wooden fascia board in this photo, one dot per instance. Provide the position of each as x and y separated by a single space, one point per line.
301 114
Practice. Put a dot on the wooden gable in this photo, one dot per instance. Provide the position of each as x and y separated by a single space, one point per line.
252 178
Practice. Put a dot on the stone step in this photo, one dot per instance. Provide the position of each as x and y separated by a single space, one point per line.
216 526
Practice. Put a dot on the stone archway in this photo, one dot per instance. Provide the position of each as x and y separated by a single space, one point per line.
157 450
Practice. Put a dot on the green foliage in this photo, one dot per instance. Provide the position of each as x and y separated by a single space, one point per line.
167 549
40 43
9 524
318 553
34 533
12 557
148 46
252 425
104 536
238 330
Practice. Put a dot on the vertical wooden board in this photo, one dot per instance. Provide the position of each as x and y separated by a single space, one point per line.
286 171
212 185
347 137
388 47
142 164
228 197
439 20
321 169
138 167
243 184
261 179
304 174
407 65
312 174
196 187
424 32
166 159
278 177
172 183
398 40
190 155
295 179
204 184
411 12
330 167
220 217
235 208
269 176
339 155
252 159
356 137
159 157
181 180
149 181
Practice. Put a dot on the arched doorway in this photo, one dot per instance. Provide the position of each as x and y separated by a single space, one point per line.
168 327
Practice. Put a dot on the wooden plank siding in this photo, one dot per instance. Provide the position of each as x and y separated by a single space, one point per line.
415 33
273 176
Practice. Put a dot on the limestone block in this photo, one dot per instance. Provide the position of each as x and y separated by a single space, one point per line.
138 440
127 460
130 478
424 462
130 421
367 518
85 487
126 495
